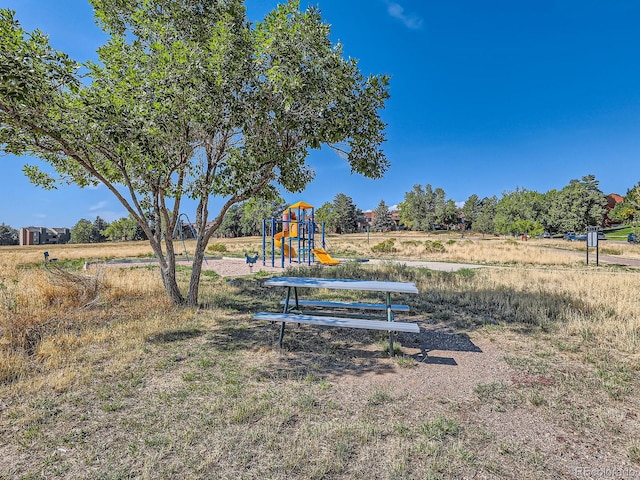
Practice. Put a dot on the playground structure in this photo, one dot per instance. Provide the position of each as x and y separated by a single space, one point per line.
296 238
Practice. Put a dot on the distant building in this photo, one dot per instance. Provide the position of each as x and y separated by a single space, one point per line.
612 200
43 236
367 218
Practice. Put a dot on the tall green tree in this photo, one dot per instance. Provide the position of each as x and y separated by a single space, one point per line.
125 228
418 209
439 206
471 209
8 235
451 214
383 220
98 230
623 213
81 231
581 204
550 216
345 214
484 222
326 214
517 209
632 201
188 99
633 196
231 225
413 209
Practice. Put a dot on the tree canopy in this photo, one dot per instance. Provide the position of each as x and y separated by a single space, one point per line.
188 99
8 235
345 214
81 231
383 220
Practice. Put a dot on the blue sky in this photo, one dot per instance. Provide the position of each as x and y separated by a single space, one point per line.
486 96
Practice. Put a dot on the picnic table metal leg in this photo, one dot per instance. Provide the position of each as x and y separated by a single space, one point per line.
286 310
286 300
390 319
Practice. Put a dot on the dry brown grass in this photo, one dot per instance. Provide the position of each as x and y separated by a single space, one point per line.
51 310
100 377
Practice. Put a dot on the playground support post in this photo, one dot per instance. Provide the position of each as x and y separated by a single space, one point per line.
312 242
273 242
264 241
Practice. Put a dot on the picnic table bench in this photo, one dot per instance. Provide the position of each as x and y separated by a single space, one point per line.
296 310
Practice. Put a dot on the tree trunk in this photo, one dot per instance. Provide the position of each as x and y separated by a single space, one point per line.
168 271
196 270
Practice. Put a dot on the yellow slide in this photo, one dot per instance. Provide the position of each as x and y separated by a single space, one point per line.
323 257
288 252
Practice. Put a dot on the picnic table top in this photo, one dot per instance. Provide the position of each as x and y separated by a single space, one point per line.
343 284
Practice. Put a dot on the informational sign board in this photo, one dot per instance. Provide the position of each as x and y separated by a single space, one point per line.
592 241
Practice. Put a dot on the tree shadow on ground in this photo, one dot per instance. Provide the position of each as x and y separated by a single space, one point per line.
176 335
443 314
306 349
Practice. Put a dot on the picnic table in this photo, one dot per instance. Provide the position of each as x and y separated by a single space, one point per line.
323 312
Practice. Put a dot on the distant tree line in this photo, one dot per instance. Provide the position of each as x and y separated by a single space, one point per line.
573 208
577 205
123 229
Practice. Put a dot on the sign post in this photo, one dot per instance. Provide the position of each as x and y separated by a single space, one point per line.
592 241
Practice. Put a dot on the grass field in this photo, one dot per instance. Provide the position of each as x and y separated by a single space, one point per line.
532 368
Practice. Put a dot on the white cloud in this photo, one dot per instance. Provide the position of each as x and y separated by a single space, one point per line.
410 20
98 206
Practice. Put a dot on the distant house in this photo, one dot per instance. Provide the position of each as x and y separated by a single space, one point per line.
43 235
367 218
612 200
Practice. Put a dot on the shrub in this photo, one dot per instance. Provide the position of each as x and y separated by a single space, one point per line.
217 248
434 246
387 246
